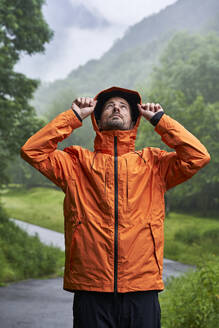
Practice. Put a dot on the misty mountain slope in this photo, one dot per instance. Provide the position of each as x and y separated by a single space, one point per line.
127 69
184 14
130 60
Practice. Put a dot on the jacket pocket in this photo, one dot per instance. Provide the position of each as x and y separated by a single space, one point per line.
74 242
157 238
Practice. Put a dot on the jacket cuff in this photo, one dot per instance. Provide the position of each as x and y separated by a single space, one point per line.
156 118
72 119
78 116
172 132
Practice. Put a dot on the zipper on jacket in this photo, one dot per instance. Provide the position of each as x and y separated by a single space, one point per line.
116 215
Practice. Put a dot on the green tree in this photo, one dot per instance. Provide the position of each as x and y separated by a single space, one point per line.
190 63
22 30
186 85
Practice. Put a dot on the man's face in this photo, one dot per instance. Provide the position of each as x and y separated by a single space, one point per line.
116 115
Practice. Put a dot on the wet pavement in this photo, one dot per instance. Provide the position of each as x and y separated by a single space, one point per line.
43 303
36 304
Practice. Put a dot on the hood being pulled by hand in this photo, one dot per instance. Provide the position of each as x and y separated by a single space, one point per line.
131 96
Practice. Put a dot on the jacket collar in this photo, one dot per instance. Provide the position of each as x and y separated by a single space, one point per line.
104 140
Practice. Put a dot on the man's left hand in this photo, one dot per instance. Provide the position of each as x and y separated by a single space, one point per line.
149 110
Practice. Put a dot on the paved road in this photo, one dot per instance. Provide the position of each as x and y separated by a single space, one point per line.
36 304
43 303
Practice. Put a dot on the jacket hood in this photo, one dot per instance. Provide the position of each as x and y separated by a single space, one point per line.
104 140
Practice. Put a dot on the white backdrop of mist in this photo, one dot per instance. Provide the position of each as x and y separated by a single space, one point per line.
83 30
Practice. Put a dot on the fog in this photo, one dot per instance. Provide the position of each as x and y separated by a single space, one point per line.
83 30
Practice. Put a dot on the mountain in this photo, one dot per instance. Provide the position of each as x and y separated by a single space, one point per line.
188 15
130 60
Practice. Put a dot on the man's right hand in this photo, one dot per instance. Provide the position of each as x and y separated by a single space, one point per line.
84 106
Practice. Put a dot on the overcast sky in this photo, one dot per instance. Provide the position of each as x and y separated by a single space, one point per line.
84 30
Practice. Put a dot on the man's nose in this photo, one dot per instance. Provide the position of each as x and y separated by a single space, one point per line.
116 108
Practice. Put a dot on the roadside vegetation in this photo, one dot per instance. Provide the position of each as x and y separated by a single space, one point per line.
40 206
192 300
191 239
23 257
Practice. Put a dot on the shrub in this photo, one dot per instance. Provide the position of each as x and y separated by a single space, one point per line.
192 301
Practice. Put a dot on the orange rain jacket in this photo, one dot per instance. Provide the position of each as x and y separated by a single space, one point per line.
114 199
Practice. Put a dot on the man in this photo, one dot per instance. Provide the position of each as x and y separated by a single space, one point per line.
114 204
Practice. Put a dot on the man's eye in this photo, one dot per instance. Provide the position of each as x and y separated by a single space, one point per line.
124 107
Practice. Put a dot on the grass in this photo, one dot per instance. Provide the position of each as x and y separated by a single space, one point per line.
40 206
188 239
23 256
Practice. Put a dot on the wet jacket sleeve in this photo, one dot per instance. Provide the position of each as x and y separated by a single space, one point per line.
189 156
41 151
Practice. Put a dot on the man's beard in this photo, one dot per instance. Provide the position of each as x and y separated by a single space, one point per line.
115 125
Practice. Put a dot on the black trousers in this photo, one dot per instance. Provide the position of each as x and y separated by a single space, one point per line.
123 310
